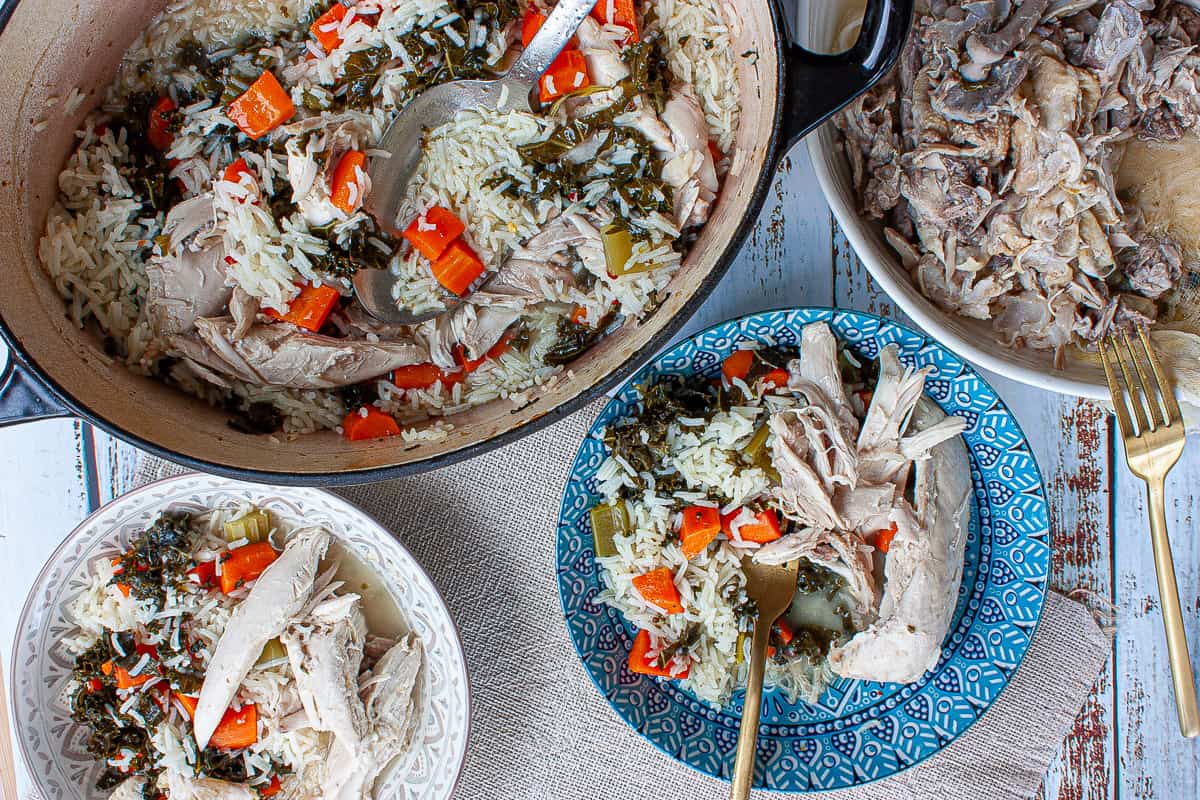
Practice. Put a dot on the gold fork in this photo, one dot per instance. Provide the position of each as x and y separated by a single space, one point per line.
1152 447
771 587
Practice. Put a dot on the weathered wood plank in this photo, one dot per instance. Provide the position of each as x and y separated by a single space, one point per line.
1155 761
116 465
44 496
1070 441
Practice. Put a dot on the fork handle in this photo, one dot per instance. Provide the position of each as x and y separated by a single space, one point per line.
743 761
1168 598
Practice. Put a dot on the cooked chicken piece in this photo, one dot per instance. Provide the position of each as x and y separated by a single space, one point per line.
325 650
988 48
865 508
897 391
974 102
190 787
690 169
188 281
1116 36
243 307
276 596
309 162
604 63
818 364
477 328
279 354
844 554
812 457
922 571
646 122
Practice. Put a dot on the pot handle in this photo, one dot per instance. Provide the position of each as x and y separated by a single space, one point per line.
23 396
816 85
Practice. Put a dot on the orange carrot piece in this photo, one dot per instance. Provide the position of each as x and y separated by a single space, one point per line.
375 425
262 108
234 172
765 527
458 267
345 191
737 365
124 679
883 539
157 126
188 702
325 28
273 788
420 376
639 664
657 587
618 12
567 74
777 378
310 308
715 152
237 729
530 26
784 630
432 232
701 524
578 315
244 564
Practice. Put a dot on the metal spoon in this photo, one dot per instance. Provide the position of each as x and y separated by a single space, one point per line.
771 588
438 105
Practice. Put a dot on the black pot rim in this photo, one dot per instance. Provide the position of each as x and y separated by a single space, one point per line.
377 474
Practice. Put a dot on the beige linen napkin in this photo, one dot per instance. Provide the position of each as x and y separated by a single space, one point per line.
485 531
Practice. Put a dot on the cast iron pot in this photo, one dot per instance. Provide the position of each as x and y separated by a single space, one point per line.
49 46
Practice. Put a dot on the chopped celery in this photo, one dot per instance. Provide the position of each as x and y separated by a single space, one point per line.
757 453
272 651
252 526
618 252
608 521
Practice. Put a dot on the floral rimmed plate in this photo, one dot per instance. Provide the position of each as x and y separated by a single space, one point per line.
55 748
857 732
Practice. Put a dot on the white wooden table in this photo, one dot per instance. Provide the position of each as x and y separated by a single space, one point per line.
1124 743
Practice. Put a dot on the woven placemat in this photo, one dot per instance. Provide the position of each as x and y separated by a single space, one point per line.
485 531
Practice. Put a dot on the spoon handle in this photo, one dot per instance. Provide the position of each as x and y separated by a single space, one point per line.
549 41
743 762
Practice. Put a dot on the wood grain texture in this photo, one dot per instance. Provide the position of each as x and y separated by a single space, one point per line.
1124 744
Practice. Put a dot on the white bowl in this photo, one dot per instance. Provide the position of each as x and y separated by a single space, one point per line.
55 748
970 338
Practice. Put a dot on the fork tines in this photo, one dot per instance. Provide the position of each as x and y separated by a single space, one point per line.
1152 400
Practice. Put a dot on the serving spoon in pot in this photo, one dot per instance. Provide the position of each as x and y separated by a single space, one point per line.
436 106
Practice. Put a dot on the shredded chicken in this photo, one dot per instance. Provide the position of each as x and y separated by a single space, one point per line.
990 153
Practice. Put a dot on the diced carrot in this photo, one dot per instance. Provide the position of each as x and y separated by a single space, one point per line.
567 74
188 702
578 315
273 788
883 539
432 232
784 630
701 524
157 127
234 172
205 573
530 26
310 308
94 685
237 729
244 564
618 12
107 668
737 365
458 267
657 587
639 663
346 191
764 528
124 679
262 108
777 378
422 376
375 425
325 28
124 588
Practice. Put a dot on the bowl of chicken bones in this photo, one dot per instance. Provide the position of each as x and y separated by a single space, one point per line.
204 638
1025 180
877 458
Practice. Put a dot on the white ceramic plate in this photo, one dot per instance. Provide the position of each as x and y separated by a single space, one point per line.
54 747
973 339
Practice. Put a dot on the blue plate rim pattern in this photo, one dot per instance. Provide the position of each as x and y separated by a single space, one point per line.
664 712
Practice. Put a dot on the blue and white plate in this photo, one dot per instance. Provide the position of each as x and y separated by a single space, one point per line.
857 732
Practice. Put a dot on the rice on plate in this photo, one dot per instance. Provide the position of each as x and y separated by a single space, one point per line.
210 219
810 455
219 656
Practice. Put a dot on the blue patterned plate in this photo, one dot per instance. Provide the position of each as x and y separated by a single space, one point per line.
857 732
